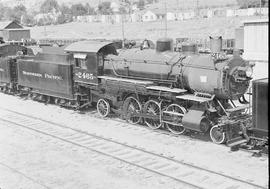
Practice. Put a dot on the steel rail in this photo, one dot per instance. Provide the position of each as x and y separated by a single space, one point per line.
127 146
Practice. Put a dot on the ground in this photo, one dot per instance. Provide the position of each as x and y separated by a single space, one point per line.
56 165
195 28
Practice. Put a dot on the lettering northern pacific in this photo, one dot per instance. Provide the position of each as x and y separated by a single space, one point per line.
40 75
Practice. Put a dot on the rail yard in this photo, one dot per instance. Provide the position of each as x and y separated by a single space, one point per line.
131 144
169 111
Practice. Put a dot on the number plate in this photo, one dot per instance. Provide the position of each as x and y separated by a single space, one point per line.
84 76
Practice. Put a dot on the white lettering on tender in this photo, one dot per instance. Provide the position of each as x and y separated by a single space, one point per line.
49 76
2 70
45 75
32 74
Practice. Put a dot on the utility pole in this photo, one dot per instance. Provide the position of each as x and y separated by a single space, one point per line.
123 34
166 19
122 26
260 8
197 8
177 14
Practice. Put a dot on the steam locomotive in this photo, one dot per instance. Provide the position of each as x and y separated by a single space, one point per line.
181 91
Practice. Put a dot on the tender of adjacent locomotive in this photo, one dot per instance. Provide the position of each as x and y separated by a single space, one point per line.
159 87
8 65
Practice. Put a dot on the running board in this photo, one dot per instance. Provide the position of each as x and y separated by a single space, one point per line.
166 89
239 108
194 98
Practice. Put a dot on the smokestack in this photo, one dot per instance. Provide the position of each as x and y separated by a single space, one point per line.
215 44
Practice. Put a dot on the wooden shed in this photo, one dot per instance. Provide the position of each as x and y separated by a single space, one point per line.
256 46
12 31
256 40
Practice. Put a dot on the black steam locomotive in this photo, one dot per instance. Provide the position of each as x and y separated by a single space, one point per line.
179 91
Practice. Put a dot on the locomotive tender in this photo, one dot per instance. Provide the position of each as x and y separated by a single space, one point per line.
159 87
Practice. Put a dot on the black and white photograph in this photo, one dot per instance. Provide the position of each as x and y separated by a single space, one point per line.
134 94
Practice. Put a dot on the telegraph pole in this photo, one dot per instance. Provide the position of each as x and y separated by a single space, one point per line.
123 34
122 26
260 8
197 7
166 19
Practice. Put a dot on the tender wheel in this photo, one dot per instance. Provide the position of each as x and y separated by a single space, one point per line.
132 105
176 128
152 108
217 135
103 107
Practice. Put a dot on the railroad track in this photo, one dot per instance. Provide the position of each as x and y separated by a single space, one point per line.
187 174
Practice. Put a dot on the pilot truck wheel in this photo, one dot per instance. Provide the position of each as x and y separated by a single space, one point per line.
103 107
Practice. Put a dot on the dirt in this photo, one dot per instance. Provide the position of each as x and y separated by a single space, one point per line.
184 148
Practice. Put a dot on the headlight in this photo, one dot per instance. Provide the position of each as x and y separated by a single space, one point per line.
249 72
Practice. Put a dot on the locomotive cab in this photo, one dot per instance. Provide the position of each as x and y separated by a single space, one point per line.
89 59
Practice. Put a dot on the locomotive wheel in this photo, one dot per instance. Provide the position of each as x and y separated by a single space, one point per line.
217 135
178 127
152 107
131 105
103 107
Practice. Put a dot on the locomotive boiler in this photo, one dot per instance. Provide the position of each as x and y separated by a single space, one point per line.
224 77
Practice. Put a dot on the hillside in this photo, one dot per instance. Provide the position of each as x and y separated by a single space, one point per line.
33 5
200 28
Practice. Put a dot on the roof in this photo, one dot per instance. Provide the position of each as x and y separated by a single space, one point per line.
263 80
158 11
257 21
17 29
87 46
5 24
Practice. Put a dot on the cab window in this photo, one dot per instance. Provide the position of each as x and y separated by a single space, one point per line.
80 63
80 60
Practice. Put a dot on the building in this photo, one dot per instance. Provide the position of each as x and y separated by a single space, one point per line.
160 14
241 12
219 13
209 13
179 16
149 16
230 12
115 7
12 31
256 45
188 15
171 16
47 18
